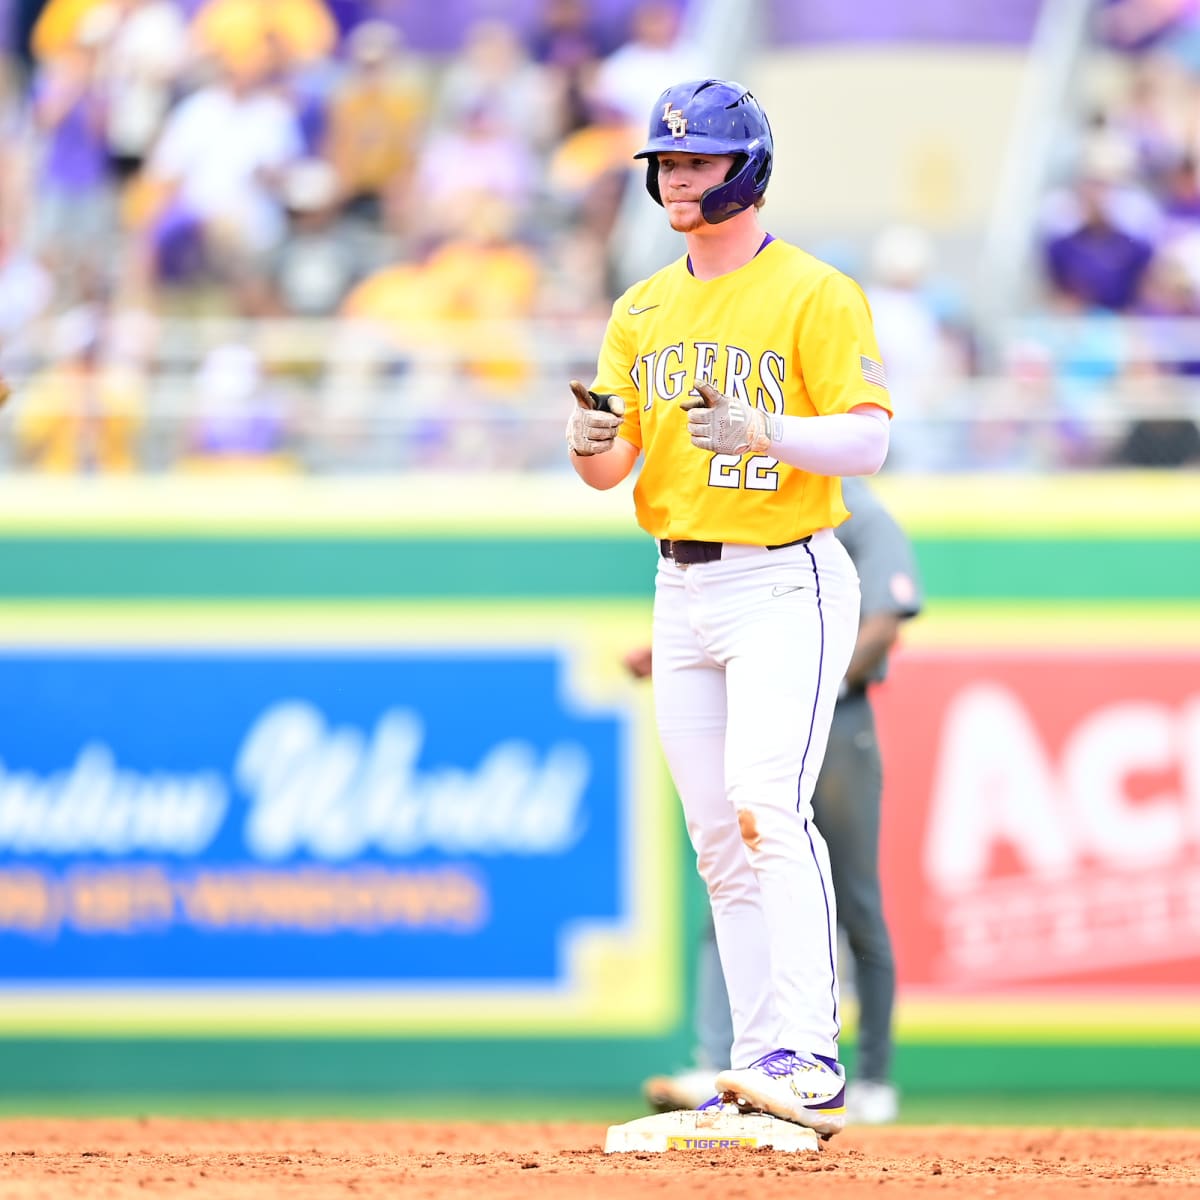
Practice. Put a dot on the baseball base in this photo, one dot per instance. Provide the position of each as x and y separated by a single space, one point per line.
705 1132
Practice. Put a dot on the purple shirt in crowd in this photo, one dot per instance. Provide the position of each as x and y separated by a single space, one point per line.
1102 266
76 156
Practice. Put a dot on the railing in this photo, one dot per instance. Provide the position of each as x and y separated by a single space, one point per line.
336 397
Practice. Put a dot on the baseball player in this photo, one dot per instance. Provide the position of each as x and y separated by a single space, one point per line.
747 376
846 806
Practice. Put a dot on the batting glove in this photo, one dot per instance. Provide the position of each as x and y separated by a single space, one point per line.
725 424
593 424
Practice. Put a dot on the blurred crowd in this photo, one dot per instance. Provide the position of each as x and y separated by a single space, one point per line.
272 233
205 164
1119 241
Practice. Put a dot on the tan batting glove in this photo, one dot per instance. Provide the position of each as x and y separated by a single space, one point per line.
5 390
593 423
725 424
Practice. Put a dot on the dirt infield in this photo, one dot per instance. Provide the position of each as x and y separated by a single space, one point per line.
296 1160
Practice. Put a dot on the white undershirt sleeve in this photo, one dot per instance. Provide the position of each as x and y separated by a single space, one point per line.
852 443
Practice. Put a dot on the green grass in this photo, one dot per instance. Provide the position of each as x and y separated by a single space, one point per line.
1170 1110
1162 1111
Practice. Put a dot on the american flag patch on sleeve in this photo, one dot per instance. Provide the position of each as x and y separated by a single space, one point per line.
873 371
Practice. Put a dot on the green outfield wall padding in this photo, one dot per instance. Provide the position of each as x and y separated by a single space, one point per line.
69 1067
1047 1066
235 1066
1060 569
326 568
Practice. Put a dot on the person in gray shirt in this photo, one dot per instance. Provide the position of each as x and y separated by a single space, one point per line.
846 805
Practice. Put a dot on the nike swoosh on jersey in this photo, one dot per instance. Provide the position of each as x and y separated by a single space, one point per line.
783 591
637 312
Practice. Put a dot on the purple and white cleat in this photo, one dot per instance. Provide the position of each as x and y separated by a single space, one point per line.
805 1089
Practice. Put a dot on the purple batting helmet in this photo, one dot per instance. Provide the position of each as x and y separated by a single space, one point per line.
713 116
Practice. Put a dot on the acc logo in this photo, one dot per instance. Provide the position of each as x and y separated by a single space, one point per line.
674 120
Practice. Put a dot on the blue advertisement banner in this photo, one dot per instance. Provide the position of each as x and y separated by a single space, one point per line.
402 817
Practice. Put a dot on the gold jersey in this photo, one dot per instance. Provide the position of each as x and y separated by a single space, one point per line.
787 332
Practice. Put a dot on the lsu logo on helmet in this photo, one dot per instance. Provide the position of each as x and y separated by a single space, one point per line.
674 120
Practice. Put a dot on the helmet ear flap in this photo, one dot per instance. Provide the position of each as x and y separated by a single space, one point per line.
740 189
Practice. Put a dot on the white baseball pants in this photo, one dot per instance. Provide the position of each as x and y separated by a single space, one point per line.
749 652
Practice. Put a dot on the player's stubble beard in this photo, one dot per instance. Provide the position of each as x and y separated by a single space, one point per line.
685 216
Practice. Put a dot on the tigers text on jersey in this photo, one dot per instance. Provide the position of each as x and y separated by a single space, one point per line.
786 331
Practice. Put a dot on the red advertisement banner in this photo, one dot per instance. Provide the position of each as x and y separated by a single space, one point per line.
1042 819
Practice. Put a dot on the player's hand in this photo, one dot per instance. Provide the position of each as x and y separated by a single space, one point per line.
725 424
593 424
640 662
5 390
